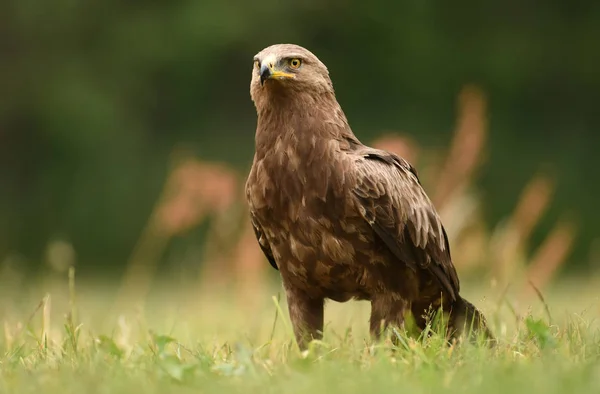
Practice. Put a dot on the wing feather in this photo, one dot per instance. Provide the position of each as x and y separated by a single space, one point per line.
262 241
394 203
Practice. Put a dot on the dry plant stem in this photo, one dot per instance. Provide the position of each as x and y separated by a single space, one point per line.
550 256
467 146
530 208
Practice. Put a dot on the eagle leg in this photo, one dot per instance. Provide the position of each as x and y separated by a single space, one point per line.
387 310
306 314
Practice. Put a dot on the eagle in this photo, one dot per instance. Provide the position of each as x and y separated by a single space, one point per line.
341 220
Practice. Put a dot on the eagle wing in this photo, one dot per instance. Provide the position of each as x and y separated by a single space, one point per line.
262 241
393 202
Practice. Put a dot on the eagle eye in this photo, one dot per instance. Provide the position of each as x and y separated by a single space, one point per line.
295 63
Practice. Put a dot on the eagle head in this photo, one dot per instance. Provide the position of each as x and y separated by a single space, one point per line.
287 70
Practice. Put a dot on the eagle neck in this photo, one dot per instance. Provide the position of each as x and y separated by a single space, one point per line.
289 122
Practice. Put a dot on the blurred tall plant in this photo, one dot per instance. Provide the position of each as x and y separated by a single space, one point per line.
196 190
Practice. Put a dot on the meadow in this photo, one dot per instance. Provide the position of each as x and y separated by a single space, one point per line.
68 337
183 321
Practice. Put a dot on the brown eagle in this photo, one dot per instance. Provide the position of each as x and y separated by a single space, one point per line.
338 219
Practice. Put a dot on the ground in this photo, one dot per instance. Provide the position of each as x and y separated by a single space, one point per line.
187 341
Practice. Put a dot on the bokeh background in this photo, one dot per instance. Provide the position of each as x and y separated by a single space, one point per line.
126 130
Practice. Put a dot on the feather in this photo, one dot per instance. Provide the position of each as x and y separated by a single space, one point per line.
389 179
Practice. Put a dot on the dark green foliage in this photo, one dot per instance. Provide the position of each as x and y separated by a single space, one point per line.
94 96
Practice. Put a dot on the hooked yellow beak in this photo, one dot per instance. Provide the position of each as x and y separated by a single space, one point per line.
268 71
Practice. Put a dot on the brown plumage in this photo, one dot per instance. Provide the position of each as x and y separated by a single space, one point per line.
339 219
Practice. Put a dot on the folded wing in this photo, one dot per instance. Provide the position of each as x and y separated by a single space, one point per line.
393 202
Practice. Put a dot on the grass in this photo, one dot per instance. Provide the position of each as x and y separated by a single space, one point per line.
58 340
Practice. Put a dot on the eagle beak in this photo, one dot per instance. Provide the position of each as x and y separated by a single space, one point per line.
268 71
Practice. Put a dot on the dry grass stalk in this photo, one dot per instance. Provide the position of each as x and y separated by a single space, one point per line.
511 239
533 203
46 327
401 145
550 256
193 190
250 266
467 146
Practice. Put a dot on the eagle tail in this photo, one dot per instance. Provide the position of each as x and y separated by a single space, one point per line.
465 318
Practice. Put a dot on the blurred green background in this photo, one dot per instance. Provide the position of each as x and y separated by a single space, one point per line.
96 96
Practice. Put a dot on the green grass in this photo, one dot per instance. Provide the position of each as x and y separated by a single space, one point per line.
185 341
